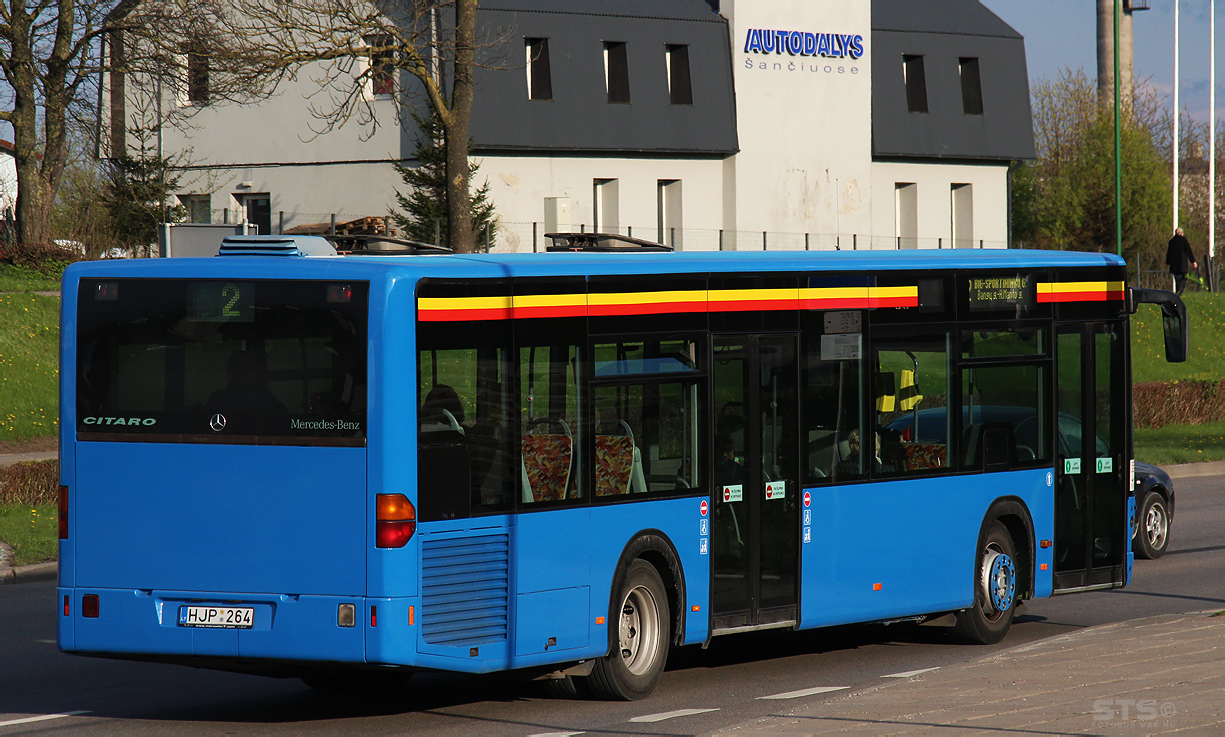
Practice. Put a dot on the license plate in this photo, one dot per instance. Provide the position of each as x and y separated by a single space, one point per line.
222 617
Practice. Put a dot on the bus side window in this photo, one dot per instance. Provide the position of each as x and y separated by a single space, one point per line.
832 401
912 376
551 423
463 462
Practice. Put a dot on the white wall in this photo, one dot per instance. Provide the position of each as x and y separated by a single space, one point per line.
805 122
519 185
934 190
8 181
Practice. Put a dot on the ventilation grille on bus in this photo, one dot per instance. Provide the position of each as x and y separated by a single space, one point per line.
275 245
465 589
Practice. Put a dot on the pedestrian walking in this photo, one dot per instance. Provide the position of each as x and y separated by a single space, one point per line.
1178 256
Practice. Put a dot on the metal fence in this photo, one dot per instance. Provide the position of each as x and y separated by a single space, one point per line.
525 237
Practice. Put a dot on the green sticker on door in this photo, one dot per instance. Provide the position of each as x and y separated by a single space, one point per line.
1105 465
1071 466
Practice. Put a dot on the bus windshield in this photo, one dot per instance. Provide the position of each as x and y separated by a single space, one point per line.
222 361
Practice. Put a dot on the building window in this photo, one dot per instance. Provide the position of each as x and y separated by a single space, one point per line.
382 65
617 72
197 77
916 83
606 212
198 207
539 77
971 86
680 89
906 214
961 202
670 220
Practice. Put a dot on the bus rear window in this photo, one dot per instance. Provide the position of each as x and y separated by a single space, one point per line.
259 361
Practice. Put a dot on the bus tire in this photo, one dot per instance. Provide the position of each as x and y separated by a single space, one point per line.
639 634
995 591
1153 523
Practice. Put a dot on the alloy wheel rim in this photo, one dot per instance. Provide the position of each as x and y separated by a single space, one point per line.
1155 526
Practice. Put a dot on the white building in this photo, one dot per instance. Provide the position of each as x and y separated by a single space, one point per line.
735 124
8 179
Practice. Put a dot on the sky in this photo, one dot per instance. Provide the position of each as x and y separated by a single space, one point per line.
1062 34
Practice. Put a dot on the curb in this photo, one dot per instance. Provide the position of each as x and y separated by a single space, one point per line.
30 573
1193 470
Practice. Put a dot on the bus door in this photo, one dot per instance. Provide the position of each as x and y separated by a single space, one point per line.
755 482
1091 467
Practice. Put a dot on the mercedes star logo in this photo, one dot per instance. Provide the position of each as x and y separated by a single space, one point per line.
217 422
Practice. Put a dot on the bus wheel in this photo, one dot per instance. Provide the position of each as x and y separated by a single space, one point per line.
635 663
995 591
1153 537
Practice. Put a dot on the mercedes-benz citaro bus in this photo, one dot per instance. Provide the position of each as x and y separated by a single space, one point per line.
351 467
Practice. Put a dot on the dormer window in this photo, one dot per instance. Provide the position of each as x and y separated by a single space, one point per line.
617 72
916 83
539 76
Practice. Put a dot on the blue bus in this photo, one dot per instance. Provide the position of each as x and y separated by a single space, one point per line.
351 467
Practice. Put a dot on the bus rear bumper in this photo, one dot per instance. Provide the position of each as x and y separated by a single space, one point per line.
146 624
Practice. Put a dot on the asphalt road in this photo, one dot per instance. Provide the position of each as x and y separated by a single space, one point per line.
703 691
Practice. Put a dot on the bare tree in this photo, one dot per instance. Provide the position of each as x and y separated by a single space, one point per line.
47 52
53 52
348 45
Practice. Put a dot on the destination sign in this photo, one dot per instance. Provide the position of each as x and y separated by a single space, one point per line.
1000 292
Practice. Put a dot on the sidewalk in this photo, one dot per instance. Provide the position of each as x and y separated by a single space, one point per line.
1148 676
8 459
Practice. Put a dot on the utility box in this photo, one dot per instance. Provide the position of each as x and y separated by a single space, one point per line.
557 214
200 240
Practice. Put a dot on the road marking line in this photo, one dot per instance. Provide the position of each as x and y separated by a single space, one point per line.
670 715
804 692
555 734
45 642
911 673
43 718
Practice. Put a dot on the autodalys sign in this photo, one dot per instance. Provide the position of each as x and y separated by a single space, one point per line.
804 43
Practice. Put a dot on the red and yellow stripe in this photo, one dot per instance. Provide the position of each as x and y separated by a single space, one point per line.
1080 291
453 309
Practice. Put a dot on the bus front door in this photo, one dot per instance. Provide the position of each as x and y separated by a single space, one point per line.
1092 461
755 482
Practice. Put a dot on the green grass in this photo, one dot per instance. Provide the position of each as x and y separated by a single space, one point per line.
1174 444
33 532
45 278
29 366
1206 313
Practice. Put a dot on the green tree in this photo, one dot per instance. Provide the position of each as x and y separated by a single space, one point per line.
423 214
134 194
1065 198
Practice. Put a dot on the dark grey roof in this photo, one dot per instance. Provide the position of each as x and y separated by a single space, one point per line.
965 17
659 9
579 118
942 32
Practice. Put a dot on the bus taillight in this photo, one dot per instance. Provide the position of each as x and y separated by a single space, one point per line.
396 520
63 509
